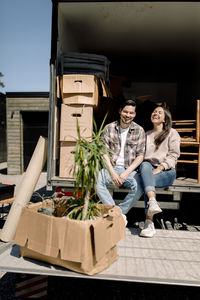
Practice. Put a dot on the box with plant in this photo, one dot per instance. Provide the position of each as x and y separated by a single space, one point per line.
77 233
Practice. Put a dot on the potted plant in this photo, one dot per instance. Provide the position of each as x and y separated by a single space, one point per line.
82 234
88 161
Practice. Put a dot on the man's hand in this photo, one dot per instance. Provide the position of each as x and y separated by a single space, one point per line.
116 178
124 176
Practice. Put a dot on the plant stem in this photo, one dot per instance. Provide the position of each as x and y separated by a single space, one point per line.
86 203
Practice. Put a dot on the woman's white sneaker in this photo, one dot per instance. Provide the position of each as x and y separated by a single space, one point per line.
149 229
154 208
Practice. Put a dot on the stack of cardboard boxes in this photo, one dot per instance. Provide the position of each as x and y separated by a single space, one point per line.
79 94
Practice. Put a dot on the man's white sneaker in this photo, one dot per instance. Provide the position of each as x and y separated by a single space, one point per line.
154 208
149 229
125 219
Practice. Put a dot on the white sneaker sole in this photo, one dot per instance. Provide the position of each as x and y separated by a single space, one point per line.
148 235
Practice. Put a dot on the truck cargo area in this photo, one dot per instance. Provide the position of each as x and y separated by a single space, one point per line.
153 47
149 56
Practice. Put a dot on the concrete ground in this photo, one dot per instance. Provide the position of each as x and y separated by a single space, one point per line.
17 179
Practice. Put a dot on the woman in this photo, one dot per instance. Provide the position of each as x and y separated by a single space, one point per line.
158 167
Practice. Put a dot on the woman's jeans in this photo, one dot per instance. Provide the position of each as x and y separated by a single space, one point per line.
133 182
151 181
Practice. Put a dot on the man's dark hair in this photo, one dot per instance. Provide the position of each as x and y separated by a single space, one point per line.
129 102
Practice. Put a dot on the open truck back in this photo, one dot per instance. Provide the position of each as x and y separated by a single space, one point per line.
153 50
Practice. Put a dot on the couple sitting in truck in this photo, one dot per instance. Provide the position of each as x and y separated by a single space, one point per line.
153 154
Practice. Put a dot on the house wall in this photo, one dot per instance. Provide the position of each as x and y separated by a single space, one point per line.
16 104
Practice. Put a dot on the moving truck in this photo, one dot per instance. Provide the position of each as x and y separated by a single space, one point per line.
152 50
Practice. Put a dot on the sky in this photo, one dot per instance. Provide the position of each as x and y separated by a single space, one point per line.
25 43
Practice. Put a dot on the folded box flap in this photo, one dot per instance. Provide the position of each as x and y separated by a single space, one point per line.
106 90
77 241
108 231
37 232
21 234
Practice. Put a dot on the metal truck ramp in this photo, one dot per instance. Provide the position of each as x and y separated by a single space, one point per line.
170 257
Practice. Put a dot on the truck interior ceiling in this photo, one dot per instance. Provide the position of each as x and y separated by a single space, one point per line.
153 47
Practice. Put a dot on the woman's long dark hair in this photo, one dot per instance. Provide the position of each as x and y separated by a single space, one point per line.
167 125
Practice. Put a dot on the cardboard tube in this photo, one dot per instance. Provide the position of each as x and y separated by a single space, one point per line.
26 189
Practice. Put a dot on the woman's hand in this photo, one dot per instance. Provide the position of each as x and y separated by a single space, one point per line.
158 170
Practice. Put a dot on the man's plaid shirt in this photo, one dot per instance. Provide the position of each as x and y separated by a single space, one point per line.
134 146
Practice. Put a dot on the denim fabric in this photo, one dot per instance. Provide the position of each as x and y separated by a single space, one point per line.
133 182
151 181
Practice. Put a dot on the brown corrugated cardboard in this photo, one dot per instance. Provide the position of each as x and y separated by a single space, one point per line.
106 91
66 159
69 115
56 137
58 93
79 89
82 246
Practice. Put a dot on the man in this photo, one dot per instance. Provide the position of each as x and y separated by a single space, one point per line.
125 141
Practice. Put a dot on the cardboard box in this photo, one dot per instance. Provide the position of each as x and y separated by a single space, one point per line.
105 90
79 89
82 246
69 116
56 137
58 92
66 159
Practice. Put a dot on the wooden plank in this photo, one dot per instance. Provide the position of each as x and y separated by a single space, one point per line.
185 129
188 153
188 161
189 142
198 123
186 123
183 184
183 121
177 195
163 205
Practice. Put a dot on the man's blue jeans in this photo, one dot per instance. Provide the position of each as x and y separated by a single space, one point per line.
133 182
151 181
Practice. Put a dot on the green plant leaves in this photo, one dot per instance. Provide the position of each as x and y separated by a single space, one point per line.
89 160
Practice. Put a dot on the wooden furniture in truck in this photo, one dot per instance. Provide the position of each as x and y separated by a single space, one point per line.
189 131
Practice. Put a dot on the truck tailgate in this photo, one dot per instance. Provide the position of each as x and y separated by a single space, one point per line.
171 257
